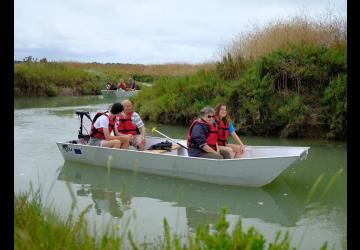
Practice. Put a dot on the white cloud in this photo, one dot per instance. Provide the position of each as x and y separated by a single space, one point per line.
143 31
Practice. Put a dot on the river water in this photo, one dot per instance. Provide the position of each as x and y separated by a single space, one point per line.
139 202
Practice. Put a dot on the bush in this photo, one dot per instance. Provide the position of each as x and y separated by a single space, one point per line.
46 79
274 95
335 107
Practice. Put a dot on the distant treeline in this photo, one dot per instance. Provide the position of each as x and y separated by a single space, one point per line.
34 77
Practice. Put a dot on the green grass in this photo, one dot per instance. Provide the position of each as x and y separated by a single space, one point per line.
37 226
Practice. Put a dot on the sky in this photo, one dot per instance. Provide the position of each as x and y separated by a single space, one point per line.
146 31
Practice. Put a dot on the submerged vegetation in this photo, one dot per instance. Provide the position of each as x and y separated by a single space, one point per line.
37 226
288 79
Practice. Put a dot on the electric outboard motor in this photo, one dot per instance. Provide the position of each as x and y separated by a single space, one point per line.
81 114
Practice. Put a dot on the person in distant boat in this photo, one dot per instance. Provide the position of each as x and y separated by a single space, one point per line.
108 86
102 126
130 123
122 85
226 128
202 137
113 86
132 84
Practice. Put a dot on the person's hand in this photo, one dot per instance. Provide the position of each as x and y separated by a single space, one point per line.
242 148
131 136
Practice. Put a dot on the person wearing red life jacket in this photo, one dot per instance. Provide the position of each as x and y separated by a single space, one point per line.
102 126
130 123
226 128
202 137
122 85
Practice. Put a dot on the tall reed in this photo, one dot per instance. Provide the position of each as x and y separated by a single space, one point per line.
329 30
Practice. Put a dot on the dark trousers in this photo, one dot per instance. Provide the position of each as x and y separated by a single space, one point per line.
212 156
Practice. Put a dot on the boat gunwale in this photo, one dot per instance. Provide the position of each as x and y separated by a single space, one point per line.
306 149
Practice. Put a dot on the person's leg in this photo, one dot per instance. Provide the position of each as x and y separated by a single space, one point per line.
94 142
226 152
237 150
111 144
212 156
124 140
138 142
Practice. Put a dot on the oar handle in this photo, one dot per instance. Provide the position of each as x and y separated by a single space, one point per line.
155 130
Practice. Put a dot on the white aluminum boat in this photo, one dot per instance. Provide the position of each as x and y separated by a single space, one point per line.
118 93
257 167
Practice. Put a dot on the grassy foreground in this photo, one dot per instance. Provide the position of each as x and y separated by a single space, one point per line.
37 226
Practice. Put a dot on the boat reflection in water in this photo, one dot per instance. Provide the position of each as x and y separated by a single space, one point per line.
117 190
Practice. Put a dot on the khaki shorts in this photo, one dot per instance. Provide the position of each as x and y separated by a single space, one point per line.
136 141
95 142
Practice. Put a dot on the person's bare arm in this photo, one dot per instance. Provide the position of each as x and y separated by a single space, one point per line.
109 137
237 139
208 149
142 131
117 133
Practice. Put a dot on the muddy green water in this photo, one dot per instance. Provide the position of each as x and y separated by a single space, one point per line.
140 201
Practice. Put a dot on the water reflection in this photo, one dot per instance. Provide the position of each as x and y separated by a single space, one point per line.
59 101
105 201
62 101
113 192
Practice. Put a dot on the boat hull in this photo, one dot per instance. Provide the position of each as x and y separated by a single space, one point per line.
247 171
118 93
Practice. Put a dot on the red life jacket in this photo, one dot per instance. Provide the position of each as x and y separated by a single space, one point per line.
223 132
212 136
126 126
98 132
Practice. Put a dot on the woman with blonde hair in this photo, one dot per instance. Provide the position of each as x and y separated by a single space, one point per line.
226 128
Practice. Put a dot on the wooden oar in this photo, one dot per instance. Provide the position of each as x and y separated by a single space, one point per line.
157 131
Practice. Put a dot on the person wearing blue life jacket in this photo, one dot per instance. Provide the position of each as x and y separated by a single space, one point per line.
202 137
226 128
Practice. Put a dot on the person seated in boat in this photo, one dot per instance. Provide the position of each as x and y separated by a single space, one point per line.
113 86
132 84
202 137
108 86
130 123
122 85
226 128
102 126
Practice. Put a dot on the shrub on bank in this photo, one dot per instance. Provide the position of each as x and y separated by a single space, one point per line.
276 95
334 107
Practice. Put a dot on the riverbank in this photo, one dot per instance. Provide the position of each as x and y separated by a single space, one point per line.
296 86
37 226
299 91
34 77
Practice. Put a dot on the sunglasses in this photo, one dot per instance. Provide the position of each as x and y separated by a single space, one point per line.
210 116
